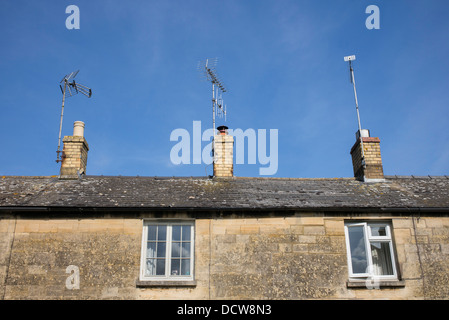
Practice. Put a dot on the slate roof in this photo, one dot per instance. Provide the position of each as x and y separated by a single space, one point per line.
427 193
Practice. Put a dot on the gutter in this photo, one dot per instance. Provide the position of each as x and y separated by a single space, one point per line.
203 210
417 209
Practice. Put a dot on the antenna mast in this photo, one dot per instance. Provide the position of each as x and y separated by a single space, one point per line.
351 74
207 68
70 89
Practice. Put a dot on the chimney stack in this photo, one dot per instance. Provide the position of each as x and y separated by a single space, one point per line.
223 153
367 163
74 153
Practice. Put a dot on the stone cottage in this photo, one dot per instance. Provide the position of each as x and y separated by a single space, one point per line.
75 236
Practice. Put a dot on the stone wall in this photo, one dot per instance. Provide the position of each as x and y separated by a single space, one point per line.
300 256
105 251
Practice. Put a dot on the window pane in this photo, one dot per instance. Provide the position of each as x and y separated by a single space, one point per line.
185 267
151 249
382 264
175 267
151 267
152 232
160 267
161 249
186 233
175 250
185 250
162 233
378 231
357 249
176 233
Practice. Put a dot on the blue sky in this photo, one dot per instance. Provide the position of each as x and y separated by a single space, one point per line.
281 60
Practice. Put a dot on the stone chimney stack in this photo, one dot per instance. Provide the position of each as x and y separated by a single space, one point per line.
74 153
223 153
369 168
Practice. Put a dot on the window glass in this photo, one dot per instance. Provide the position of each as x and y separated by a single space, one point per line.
150 269
377 231
162 232
175 250
156 246
358 249
160 249
185 267
152 231
186 233
151 250
176 233
185 252
160 267
175 267
381 256
180 249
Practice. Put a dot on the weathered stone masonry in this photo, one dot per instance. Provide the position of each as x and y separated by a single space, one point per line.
238 256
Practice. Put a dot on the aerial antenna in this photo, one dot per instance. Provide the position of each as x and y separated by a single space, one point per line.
208 69
221 107
69 89
352 79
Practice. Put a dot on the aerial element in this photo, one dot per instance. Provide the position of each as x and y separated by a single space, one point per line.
70 89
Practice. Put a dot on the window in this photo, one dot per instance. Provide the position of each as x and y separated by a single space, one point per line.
167 251
370 250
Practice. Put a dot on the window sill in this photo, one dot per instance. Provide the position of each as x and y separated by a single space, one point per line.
165 284
374 284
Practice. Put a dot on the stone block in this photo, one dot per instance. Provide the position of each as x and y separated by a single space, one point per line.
311 220
402 236
402 223
314 230
249 229
334 227
306 239
297 229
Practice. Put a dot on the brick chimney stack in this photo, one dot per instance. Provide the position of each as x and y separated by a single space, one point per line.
74 153
223 153
371 169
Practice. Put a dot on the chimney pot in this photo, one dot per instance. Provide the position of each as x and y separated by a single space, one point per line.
365 134
78 129
223 130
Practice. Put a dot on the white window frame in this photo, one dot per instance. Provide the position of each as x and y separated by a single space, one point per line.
368 237
168 248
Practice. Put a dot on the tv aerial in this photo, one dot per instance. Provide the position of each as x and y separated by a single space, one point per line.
352 79
208 69
69 88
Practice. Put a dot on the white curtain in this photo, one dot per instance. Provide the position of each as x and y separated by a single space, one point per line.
381 257
151 263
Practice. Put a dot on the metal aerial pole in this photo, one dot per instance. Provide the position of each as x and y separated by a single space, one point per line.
213 120
351 70
213 106
60 123
355 95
